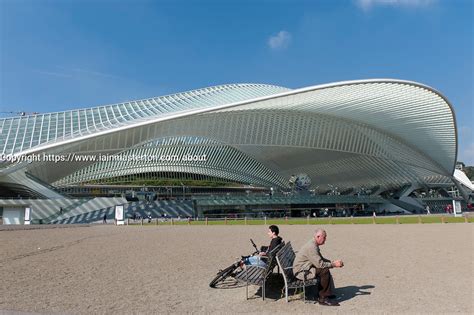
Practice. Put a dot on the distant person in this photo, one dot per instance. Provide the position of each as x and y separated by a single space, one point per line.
427 209
104 219
262 257
448 209
309 264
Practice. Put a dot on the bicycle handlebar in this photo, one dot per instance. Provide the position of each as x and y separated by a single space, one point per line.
255 246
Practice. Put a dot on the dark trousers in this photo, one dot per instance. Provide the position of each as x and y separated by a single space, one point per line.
325 284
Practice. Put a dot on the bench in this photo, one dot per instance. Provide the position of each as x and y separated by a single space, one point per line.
257 275
285 258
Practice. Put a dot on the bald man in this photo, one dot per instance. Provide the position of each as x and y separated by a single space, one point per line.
309 264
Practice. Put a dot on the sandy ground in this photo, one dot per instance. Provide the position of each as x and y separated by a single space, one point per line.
166 269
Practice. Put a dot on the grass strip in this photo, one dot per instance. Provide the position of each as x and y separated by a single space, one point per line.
317 221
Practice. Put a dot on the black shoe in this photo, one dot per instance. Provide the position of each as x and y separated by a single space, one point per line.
327 302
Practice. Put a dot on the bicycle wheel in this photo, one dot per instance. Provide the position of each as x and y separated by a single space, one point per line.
222 275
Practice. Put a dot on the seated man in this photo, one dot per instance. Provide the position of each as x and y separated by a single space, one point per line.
309 264
260 259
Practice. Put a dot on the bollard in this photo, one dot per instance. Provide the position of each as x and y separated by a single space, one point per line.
286 219
225 221
442 219
171 222
189 221
156 222
419 219
265 220
207 222
330 219
465 218
128 221
142 222
373 220
352 219
398 219
307 219
245 219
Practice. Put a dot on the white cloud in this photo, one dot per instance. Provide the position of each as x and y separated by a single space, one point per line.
280 40
366 5
54 74
75 73
95 73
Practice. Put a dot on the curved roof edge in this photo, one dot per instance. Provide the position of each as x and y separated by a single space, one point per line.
462 178
219 86
240 103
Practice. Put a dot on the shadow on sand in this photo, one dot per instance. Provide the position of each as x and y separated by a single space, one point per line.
275 285
349 292
274 289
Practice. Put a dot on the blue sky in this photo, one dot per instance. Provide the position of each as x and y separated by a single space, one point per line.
59 55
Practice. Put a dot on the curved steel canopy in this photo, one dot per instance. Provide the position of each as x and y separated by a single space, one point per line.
357 133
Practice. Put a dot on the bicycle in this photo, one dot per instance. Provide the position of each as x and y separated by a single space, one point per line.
232 270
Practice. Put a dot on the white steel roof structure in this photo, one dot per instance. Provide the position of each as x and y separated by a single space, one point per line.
382 132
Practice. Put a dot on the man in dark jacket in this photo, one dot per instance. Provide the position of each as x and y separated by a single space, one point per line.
262 257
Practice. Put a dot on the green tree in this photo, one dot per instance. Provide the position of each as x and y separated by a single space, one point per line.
469 170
